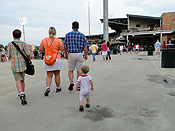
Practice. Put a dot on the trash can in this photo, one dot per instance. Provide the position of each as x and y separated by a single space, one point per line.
168 58
150 50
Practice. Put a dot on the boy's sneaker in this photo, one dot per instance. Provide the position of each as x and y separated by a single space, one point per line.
58 90
81 108
46 93
87 105
23 99
70 87
22 94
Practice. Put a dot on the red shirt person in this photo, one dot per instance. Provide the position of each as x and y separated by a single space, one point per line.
104 50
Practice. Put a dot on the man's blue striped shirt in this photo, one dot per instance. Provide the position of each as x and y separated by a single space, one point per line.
75 41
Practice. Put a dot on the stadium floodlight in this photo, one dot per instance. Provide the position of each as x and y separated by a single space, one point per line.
22 22
89 5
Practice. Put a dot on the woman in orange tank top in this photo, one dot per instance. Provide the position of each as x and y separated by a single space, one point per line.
57 66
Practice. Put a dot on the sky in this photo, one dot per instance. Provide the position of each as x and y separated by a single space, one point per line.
42 14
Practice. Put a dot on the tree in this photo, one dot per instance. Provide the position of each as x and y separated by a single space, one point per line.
6 47
1 46
37 47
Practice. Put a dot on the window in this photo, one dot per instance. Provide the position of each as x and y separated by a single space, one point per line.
138 25
173 22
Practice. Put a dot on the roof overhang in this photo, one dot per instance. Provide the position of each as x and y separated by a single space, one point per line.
148 32
143 17
117 42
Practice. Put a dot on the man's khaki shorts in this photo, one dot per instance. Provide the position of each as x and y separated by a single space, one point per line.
75 60
19 76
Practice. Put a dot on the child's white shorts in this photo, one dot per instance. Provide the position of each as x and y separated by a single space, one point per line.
83 95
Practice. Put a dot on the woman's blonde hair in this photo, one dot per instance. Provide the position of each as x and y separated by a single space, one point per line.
52 31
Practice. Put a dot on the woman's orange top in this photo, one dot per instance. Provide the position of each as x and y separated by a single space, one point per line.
56 43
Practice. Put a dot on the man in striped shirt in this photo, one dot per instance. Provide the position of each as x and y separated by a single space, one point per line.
74 44
18 65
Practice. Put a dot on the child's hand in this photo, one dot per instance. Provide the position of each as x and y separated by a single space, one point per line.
92 88
77 88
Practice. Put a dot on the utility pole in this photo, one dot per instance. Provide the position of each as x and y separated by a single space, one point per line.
89 17
105 20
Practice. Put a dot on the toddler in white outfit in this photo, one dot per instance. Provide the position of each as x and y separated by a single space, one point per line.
85 85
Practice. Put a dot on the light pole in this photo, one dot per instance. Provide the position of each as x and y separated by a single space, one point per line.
22 22
89 5
89 17
105 20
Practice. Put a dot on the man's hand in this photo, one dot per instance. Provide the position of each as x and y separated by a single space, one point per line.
92 88
86 57
65 53
66 56
85 53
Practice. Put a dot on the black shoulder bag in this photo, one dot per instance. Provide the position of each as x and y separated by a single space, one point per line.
30 67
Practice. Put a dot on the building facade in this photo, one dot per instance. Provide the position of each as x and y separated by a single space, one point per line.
168 23
145 30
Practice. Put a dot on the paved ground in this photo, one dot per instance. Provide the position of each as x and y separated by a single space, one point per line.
131 93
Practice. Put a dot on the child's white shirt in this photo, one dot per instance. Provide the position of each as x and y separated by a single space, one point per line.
84 81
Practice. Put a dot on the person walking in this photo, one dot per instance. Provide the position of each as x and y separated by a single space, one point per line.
18 64
93 48
121 49
157 46
108 51
54 69
137 47
104 50
131 45
85 85
75 42
35 53
163 45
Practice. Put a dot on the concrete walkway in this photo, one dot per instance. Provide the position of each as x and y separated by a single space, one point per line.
131 93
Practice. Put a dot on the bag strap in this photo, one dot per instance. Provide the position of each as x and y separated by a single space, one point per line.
51 44
57 54
17 47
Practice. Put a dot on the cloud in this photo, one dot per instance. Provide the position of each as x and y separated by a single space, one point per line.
42 14
149 7
6 33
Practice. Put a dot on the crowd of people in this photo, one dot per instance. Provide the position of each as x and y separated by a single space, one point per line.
3 56
131 48
104 50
